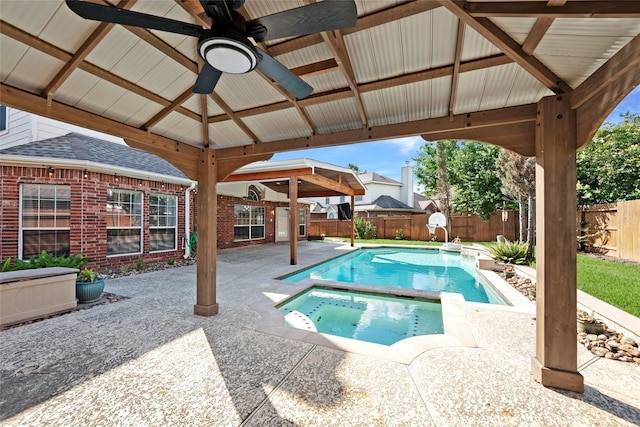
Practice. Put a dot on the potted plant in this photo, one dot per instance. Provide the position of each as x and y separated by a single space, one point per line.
509 271
89 286
588 323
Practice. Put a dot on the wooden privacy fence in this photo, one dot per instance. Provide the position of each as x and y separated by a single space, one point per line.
611 229
414 227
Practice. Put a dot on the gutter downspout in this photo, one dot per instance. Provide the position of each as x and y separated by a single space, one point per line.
187 216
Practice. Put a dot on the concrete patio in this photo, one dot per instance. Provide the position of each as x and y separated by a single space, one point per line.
149 360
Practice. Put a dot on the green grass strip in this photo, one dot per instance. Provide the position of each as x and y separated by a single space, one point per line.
613 282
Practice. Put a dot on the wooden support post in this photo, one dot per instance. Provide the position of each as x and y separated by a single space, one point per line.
353 224
555 364
293 219
206 304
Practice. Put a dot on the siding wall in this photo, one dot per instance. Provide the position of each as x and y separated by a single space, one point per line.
19 129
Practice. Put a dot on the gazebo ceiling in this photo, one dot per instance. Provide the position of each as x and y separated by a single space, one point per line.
406 68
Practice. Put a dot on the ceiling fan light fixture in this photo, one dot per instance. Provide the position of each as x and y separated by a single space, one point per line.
229 56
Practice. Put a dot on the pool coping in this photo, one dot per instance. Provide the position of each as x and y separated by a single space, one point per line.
458 332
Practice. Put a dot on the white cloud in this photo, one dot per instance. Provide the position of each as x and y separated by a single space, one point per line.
407 146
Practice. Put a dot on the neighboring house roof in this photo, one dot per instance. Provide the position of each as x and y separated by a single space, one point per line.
370 177
384 203
75 146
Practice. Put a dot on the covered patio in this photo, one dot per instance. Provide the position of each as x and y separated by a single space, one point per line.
148 360
531 76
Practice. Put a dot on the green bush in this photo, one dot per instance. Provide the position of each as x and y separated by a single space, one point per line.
364 229
44 260
511 252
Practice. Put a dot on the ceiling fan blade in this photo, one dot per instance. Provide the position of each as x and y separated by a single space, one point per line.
283 76
97 12
219 10
314 18
207 79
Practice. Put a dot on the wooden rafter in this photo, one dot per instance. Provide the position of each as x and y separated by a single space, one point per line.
539 29
336 45
403 10
510 47
267 175
325 182
234 117
572 9
204 121
183 156
481 119
55 52
334 95
456 67
92 41
168 109
316 68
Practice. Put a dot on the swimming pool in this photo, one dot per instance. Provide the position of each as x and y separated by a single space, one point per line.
363 316
409 268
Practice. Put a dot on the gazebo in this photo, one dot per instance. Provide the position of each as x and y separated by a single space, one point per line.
535 77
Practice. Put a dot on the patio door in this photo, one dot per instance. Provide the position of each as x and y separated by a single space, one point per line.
282 224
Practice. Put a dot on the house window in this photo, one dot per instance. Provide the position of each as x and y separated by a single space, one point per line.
327 201
302 222
163 222
358 198
342 199
3 118
45 219
124 222
248 222
253 195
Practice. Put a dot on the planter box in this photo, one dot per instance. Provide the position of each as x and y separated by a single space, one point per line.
30 294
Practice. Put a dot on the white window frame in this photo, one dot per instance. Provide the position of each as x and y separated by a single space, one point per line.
302 223
173 227
251 210
4 119
140 227
21 227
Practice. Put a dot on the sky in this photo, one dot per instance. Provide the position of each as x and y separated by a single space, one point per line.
387 157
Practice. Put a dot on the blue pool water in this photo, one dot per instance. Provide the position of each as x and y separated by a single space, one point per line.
421 269
362 316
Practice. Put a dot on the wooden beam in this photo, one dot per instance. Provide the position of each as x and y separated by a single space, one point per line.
229 165
591 114
55 52
353 219
456 67
556 360
517 137
325 182
267 175
168 109
85 49
203 120
537 9
338 94
510 47
365 22
338 49
232 115
539 29
316 68
183 156
626 59
206 304
519 114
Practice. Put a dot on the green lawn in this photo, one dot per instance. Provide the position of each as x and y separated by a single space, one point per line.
613 282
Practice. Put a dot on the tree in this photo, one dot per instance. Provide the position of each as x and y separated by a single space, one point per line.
432 172
477 188
518 177
355 168
608 169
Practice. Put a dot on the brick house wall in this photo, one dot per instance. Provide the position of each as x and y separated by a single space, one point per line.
88 222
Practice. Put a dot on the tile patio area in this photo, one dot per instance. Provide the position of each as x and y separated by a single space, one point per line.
149 361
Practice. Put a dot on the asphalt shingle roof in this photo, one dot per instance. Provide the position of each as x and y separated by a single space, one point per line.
376 177
75 146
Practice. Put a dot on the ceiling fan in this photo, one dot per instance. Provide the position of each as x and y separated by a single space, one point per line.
226 47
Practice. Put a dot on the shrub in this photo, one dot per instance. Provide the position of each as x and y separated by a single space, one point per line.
399 234
364 229
87 276
44 260
511 252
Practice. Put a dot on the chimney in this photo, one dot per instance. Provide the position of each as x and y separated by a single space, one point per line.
407 184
